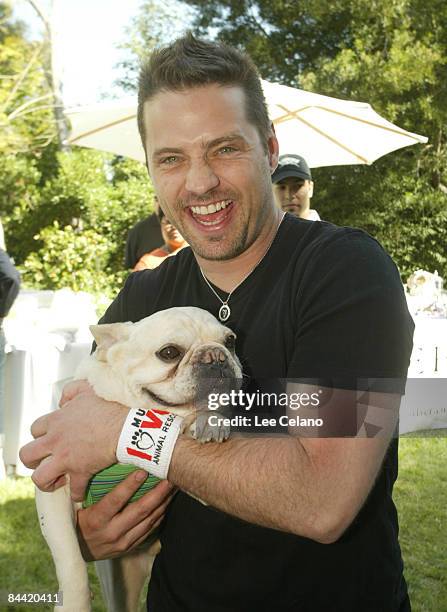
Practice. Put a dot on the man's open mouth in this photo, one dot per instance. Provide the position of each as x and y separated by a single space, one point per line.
212 214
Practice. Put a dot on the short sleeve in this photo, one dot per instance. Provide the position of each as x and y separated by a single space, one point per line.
353 320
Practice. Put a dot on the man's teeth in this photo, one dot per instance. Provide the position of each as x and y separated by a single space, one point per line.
211 208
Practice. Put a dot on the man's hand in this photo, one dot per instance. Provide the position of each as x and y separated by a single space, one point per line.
74 388
110 528
80 439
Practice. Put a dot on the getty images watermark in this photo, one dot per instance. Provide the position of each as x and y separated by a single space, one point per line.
373 407
246 401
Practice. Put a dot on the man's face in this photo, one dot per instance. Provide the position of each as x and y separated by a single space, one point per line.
171 235
293 194
209 168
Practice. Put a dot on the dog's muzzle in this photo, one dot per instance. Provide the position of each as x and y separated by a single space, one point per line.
215 371
213 362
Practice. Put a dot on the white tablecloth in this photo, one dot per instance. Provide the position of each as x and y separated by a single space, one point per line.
47 336
424 406
31 374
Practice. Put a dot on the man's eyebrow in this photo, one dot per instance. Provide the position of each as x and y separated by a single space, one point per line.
226 138
165 151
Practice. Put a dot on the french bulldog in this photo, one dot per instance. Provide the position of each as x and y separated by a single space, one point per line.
169 361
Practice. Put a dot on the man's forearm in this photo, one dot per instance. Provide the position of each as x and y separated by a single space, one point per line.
310 487
270 482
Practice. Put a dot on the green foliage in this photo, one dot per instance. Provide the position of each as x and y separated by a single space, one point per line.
66 214
26 111
71 231
61 261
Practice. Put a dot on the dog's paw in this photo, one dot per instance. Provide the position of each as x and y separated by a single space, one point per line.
203 431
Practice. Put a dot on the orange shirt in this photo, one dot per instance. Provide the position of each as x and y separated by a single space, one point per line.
151 260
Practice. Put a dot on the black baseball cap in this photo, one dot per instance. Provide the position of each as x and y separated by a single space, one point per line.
291 165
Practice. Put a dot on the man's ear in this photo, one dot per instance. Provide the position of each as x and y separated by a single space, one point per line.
311 189
273 149
107 335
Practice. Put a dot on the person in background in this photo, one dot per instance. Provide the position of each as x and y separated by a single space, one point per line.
173 241
293 187
143 237
9 288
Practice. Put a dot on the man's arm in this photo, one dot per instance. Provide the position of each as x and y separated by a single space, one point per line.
307 486
310 487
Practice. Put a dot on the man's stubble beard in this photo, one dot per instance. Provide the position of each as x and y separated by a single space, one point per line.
240 243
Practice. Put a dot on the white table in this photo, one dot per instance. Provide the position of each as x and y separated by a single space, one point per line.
424 405
31 374
47 336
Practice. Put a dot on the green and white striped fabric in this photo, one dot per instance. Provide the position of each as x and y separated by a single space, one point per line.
105 480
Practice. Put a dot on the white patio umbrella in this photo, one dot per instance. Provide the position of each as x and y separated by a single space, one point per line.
326 131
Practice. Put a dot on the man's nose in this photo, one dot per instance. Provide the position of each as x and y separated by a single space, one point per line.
294 191
201 178
288 193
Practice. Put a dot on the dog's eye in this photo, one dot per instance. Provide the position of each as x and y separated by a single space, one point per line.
230 342
169 353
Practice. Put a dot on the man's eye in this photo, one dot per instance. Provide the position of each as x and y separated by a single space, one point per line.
169 160
227 149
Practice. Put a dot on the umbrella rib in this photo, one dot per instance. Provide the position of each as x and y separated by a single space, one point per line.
290 113
100 129
340 144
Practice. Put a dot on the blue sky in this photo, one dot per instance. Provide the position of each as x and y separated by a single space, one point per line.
87 34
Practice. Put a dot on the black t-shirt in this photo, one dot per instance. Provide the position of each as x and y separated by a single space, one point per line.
325 302
9 283
143 237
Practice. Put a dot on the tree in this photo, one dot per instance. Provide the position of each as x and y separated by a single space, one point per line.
26 120
52 69
71 230
66 214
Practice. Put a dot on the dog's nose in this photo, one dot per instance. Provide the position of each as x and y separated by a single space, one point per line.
213 355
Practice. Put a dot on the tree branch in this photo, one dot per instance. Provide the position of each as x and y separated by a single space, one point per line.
22 76
42 16
22 107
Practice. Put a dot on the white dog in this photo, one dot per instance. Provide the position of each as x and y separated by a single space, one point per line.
170 360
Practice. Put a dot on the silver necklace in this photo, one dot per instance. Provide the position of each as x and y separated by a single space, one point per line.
225 310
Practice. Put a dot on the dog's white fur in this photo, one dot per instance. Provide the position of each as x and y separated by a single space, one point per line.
127 367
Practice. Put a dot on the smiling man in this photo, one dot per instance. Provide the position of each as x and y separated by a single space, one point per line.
293 523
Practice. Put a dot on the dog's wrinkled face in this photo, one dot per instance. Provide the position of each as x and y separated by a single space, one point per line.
173 358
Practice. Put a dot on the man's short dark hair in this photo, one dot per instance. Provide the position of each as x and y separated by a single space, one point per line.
190 62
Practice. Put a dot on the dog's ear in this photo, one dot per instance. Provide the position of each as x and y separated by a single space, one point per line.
107 335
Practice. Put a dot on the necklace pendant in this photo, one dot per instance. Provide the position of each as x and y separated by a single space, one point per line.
224 313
